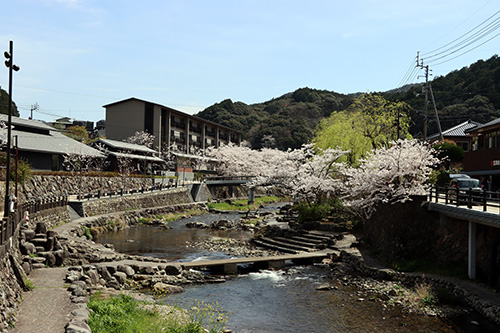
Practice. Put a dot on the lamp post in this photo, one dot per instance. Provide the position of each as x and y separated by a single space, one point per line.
10 64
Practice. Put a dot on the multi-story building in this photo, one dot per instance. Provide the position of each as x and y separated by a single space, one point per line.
181 132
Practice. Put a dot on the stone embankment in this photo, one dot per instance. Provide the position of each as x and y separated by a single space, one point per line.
40 186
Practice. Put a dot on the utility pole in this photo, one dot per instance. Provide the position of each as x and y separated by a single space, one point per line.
428 87
437 115
12 67
420 63
34 107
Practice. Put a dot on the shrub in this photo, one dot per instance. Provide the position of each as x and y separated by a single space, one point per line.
317 211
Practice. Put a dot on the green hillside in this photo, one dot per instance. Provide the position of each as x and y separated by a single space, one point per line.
472 92
290 119
4 104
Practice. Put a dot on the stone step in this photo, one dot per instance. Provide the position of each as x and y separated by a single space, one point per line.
288 245
272 246
296 242
317 235
308 239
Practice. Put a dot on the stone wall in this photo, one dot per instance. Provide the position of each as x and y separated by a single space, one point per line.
410 231
11 287
137 201
43 186
50 217
125 219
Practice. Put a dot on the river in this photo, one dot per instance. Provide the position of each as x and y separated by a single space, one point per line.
277 301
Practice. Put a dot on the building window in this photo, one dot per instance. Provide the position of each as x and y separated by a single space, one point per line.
55 163
464 145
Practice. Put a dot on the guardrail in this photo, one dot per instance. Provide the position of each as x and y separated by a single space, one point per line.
9 224
488 200
229 178
101 194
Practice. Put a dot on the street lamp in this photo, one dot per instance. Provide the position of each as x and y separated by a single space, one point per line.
10 64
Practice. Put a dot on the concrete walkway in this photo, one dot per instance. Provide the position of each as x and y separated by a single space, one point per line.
48 307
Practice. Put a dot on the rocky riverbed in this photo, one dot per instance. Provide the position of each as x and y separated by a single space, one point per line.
100 267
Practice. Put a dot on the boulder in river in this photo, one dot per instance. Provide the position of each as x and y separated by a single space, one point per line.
196 225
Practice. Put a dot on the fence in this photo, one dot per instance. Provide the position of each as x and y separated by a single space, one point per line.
9 224
470 198
101 194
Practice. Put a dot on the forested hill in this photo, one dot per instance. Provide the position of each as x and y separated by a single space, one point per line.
4 104
469 93
290 120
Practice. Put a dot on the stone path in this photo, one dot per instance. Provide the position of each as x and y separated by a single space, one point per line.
48 307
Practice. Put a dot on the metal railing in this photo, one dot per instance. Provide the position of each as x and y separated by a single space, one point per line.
9 224
471 198
119 193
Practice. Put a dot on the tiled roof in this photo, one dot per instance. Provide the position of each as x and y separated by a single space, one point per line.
54 143
127 146
138 157
458 130
26 123
488 124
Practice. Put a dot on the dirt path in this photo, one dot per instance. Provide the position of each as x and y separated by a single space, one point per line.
48 307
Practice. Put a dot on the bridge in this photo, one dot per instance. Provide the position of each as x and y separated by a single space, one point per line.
233 180
230 266
473 206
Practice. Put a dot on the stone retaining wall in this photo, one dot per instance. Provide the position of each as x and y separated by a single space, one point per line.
125 219
46 186
137 201
410 231
11 288
50 217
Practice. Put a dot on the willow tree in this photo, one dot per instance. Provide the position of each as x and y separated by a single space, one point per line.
370 122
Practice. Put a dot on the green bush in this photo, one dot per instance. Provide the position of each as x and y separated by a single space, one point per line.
23 169
317 211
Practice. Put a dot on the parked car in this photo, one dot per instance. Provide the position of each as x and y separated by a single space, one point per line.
458 175
462 186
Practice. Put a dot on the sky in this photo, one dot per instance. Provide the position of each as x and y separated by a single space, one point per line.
78 55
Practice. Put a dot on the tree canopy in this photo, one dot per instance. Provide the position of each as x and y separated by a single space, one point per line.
368 123
4 104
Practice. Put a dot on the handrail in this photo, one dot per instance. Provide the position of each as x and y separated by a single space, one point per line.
466 197
10 223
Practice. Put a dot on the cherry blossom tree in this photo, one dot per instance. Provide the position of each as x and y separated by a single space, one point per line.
142 138
306 171
390 174
393 173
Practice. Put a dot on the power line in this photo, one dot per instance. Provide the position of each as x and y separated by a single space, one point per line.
469 39
457 39
442 62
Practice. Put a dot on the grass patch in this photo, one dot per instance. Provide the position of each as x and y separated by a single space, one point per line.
86 232
169 217
124 314
242 204
28 283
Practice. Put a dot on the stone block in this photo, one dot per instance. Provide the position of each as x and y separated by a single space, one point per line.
50 258
127 270
121 277
173 269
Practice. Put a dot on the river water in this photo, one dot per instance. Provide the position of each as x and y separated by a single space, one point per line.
276 301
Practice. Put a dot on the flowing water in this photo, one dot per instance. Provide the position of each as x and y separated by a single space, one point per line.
276 301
